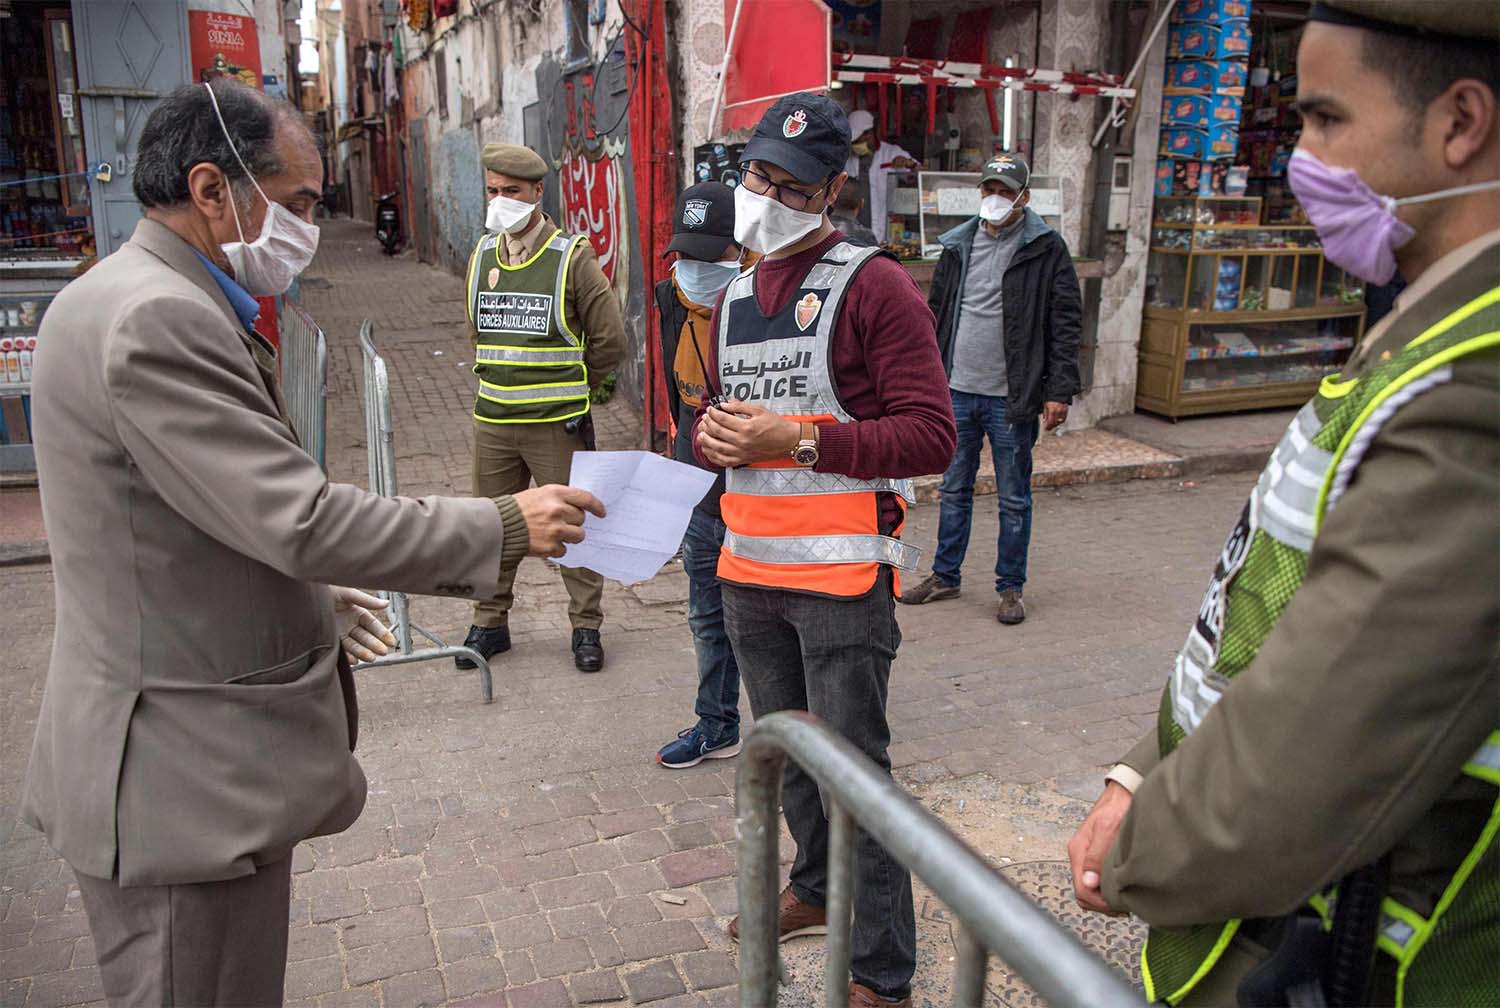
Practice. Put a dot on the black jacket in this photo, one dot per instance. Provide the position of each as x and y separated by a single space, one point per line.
1043 314
672 314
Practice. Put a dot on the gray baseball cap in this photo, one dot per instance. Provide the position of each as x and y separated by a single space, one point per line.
1009 169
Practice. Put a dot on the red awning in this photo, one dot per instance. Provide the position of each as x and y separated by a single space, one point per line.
775 48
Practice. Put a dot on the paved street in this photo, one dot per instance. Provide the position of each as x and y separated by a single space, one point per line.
531 852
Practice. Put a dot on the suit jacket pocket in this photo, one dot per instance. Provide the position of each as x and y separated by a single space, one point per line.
287 672
221 777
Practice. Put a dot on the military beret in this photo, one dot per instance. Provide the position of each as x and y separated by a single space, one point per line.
1468 19
515 161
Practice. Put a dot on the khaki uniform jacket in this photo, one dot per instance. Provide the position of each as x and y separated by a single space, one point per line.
1345 737
589 298
198 718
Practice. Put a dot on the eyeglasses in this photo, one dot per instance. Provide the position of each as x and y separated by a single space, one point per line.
792 199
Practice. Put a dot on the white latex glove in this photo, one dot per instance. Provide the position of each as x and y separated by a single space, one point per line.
361 634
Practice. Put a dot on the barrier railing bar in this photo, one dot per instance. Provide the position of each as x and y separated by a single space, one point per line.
970 971
995 915
841 833
303 356
380 437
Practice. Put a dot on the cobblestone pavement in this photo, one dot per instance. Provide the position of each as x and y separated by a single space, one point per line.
531 853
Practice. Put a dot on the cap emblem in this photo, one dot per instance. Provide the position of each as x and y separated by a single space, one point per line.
695 213
794 124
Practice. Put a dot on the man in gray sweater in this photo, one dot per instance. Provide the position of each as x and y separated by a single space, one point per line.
1008 318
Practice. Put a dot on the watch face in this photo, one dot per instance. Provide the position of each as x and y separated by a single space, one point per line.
806 455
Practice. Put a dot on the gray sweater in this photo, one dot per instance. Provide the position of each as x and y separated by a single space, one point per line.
979 346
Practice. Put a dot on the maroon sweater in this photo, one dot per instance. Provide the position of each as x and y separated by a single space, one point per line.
886 369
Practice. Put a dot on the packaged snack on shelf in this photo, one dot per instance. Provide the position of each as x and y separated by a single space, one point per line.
1187 111
1191 75
1164 177
1223 141
1210 11
1186 144
1193 42
1233 41
1229 77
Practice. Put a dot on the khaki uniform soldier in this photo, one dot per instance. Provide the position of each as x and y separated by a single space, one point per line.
1315 818
547 329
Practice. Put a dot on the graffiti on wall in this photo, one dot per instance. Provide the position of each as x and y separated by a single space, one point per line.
593 172
579 124
593 197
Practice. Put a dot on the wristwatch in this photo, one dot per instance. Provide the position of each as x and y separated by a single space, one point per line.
806 452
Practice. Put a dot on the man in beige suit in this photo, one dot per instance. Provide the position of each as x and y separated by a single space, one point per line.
199 717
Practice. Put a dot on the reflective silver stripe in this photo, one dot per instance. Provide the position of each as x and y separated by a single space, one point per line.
823 549
1396 930
1488 755
544 393
517 355
798 482
486 245
563 244
1360 443
1286 496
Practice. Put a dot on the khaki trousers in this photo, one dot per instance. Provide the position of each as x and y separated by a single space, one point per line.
507 457
195 945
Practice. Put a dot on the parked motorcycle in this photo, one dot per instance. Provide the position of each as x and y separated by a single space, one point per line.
388 223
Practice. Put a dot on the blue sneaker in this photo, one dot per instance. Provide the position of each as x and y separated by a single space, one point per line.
693 745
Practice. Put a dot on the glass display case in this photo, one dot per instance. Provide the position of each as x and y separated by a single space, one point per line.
20 320
1239 314
945 200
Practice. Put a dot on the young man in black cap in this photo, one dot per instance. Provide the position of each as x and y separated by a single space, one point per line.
833 396
708 258
1009 320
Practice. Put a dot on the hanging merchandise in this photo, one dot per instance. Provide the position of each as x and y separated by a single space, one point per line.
418 14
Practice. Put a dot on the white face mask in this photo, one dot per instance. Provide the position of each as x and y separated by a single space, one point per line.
507 215
267 266
996 208
768 225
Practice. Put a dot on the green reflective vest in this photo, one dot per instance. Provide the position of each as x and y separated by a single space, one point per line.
528 359
1262 565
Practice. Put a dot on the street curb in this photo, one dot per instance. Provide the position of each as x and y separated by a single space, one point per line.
20 554
926 487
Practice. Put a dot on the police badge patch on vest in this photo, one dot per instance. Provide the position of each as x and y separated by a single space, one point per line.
500 311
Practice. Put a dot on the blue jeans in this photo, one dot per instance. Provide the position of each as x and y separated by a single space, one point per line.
718 704
978 417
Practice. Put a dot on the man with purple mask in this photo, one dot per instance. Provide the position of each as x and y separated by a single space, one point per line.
1314 819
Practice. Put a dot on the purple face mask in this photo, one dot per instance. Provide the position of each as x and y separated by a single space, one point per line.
1358 227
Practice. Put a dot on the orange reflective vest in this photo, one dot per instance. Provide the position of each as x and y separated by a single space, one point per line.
786 525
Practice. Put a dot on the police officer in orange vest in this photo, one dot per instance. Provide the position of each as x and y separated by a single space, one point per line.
832 396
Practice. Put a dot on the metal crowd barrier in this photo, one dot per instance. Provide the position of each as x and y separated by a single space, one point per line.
993 916
304 378
380 436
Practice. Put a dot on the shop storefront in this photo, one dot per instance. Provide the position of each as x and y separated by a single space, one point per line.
949 84
77 83
1242 310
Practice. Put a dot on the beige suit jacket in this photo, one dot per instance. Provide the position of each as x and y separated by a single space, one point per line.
198 720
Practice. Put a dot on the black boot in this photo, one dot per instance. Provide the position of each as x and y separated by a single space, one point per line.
488 641
588 650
